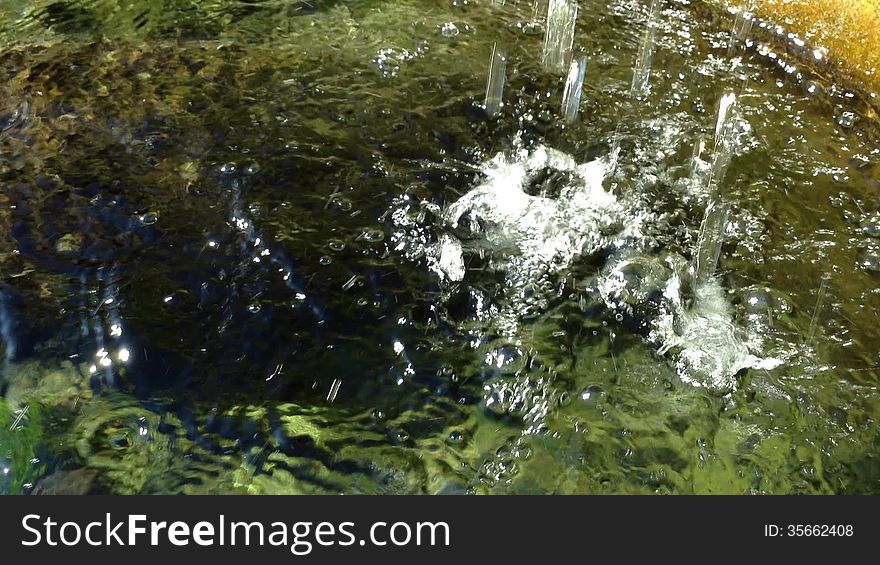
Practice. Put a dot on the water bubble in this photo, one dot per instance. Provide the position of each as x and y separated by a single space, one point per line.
342 203
195 190
149 218
870 261
325 260
373 235
847 120
592 394
456 437
336 245
227 168
522 452
871 226
399 436
254 308
498 401
449 29
378 415
756 300
532 28
812 87
508 359
251 169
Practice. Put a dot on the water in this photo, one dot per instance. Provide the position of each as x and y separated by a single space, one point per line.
742 26
574 84
559 36
711 235
642 67
281 247
495 84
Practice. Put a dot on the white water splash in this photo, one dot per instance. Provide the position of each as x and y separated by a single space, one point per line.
532 230
535 212
699 333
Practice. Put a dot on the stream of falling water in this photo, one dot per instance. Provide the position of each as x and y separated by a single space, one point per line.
322 247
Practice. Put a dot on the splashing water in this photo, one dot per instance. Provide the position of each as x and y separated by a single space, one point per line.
544 333
533 213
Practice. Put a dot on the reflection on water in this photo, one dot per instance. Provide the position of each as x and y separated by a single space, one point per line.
282 247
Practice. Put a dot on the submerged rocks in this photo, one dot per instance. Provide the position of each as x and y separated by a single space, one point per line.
73 482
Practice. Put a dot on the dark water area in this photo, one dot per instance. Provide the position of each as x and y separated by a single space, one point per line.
225 255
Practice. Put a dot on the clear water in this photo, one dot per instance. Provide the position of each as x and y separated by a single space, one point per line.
279 247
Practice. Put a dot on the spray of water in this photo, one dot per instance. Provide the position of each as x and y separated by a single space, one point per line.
495 84
642 68
711 236
559 36
814 319
742 26
571 97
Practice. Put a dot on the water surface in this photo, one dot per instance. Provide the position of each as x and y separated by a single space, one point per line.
221 233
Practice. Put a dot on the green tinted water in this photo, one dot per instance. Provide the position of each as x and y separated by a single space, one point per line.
217 220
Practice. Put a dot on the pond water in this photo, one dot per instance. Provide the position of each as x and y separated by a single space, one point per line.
279 246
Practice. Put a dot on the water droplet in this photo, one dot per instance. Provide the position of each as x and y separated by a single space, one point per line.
847 120
325 260
871 226
149 218
592 394
813 87
532 28
564 399
756 300
399 436
227 168
508 359
342 203
336 245
254 308
196 190
373 235
871 262
251 169
378 415
522 452
498 401
449 29
456 437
